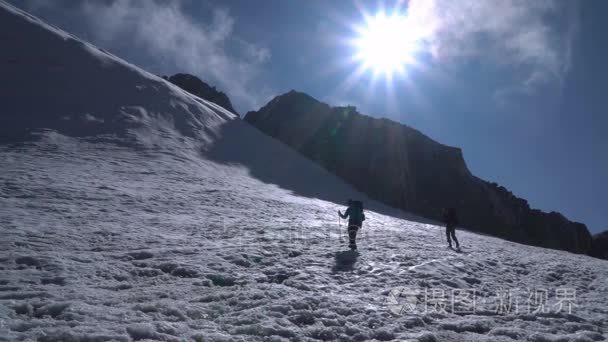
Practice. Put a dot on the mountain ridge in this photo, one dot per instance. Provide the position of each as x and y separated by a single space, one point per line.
401 166
67 101
200 88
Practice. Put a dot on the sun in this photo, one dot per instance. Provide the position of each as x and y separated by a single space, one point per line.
387 43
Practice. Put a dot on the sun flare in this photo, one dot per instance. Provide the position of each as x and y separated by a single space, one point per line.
387 43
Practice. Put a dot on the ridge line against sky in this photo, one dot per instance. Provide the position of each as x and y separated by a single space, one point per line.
505 80
170 36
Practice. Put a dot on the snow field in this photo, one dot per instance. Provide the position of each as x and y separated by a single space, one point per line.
131 210
103 243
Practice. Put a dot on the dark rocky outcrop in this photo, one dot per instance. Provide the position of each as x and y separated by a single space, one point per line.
195 86
402 167
600 245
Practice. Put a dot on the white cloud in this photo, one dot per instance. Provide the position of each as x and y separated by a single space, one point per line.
533 36
167 35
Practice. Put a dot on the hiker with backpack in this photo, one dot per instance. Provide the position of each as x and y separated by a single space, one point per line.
451 221
355 215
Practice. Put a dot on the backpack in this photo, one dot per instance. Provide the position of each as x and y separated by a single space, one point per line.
356 213
450 216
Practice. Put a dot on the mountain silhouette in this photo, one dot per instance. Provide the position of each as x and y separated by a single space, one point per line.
402 167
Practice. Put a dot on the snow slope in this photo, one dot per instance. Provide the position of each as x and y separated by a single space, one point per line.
130 210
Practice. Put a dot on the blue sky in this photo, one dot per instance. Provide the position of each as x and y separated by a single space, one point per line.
517 84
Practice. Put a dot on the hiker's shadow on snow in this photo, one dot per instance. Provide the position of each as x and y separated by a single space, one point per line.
459 251
273 162
345 261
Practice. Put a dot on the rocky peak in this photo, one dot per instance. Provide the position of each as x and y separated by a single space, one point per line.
196 86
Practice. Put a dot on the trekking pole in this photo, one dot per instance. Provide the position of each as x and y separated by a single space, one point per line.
340 229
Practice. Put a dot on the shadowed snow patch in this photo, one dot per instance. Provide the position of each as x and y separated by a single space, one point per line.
476 326
28 261
222 279
141 255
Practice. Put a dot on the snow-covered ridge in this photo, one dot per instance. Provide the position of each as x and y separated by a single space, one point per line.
53 80
59 83
168 220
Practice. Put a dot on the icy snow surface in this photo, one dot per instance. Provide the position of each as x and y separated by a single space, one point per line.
171 220
103 243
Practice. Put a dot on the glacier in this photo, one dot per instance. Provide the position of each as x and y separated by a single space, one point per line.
132 210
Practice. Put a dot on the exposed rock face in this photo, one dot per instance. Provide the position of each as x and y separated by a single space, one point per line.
195 86
404 168
600 245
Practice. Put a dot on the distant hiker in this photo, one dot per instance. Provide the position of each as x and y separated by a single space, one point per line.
355 215
451 221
